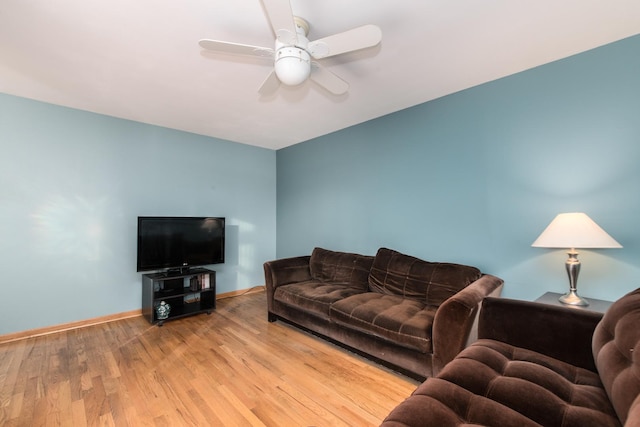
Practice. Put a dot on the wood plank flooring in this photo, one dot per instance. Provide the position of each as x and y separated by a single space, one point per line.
231 368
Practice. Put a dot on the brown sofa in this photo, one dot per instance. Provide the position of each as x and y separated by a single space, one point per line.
537 365
406 313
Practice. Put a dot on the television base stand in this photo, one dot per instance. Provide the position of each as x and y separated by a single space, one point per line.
178 271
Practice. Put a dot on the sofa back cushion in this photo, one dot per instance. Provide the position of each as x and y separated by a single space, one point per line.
340 267
432 283
616 351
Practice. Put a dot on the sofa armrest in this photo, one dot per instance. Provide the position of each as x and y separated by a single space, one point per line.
564 333
455 322
284 271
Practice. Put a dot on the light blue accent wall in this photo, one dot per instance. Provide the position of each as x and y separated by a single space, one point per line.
476 176
72 185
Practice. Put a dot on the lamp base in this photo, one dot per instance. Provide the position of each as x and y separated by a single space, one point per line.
572 298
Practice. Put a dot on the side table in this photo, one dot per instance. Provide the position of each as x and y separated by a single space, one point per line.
597 305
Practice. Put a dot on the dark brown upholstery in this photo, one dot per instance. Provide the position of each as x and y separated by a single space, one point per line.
527 381
432 405
340 267
432 283
616 350
415 316
402 321
314 296
514 377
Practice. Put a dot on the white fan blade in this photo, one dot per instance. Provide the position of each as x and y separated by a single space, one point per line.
348 41
328 80
235 48
270 84
281 18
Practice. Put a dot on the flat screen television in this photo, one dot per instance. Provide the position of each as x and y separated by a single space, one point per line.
179 242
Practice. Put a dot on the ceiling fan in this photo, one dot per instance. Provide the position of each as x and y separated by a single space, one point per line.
294 55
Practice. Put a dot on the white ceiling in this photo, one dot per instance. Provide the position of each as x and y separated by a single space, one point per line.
140 59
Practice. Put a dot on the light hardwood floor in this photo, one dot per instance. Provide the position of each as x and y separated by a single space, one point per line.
230 368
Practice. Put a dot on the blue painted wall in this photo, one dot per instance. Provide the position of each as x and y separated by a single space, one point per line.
72 185
473 177
476 176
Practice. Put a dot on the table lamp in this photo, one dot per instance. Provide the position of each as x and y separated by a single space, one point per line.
574 230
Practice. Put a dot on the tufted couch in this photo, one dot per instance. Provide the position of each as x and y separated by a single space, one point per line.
537 365
407 313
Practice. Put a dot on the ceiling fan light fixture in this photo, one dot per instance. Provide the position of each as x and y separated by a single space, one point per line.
292 65
292 52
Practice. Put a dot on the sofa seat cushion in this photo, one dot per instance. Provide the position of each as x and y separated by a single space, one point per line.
548 391
437 402
313 296
432 283
402 321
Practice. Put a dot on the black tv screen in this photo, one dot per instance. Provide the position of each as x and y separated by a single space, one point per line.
179 242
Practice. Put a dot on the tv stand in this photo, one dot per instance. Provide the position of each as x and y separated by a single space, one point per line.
188 291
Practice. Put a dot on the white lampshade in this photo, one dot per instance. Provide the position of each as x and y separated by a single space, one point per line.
574 230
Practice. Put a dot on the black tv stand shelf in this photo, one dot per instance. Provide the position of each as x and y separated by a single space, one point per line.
187 292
